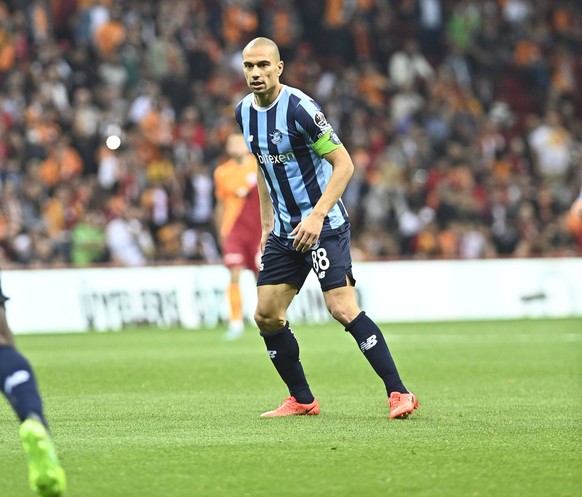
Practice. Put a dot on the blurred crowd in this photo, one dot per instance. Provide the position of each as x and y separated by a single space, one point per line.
463 118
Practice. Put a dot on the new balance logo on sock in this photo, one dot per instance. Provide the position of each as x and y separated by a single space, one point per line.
15 379
369 343
272 353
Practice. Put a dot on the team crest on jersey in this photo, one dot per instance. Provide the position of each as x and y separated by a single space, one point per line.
320 120
276 137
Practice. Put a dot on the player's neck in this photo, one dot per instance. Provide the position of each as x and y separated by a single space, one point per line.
268 98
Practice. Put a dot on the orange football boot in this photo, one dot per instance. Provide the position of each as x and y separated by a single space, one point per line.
402 404
290 407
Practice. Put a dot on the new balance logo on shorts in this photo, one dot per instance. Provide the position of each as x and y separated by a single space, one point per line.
272 353
369 343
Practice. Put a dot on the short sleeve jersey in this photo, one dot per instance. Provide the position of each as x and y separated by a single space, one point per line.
232 184
289 140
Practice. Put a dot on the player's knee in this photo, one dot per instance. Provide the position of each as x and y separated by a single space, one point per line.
337 312
267 322
342 313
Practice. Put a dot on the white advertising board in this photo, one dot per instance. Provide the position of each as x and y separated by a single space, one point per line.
101 299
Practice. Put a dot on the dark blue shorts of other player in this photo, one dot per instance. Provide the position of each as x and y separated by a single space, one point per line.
330 259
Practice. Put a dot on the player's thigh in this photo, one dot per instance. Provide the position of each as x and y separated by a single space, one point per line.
342 303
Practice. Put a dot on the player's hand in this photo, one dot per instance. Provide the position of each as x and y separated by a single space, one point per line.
307 231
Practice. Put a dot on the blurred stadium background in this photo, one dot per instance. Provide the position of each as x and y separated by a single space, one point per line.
463 119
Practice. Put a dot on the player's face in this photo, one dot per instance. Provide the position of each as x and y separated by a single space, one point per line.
262 70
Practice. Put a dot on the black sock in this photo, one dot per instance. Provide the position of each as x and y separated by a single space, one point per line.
18 384
283 350
371 342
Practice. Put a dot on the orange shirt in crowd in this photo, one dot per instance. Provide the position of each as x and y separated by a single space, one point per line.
238 23
232 182
108 37
282 28
40 25
526 52
7 51
334 13
61 165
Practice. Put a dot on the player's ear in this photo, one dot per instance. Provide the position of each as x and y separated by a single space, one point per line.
280 66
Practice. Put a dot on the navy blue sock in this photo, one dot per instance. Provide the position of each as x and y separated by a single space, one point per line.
18 384
283 350
372 343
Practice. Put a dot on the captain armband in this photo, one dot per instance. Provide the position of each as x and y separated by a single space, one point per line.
327 143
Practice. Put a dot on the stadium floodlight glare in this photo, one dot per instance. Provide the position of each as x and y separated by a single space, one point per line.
113 142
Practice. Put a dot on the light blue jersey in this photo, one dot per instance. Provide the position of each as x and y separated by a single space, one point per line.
289 139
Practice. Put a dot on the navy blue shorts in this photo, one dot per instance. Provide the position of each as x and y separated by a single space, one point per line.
330 259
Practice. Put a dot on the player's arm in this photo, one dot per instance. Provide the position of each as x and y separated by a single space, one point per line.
267 212
309 229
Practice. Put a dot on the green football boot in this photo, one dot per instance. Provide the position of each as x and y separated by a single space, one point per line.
45 474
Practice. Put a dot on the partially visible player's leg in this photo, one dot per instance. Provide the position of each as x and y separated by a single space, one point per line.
283 272
283 349
239 253
342 304
18 384
371 341
236 321
337 283
16 376
17 381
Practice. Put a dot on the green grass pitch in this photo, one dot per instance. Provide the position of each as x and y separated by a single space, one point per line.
174 413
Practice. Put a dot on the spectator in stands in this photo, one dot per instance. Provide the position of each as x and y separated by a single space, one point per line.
551 144
108 34
430 21
128 241
84 128
88 240
409 65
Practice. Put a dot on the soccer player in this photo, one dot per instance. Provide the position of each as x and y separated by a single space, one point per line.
304 171
46 476
238 219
